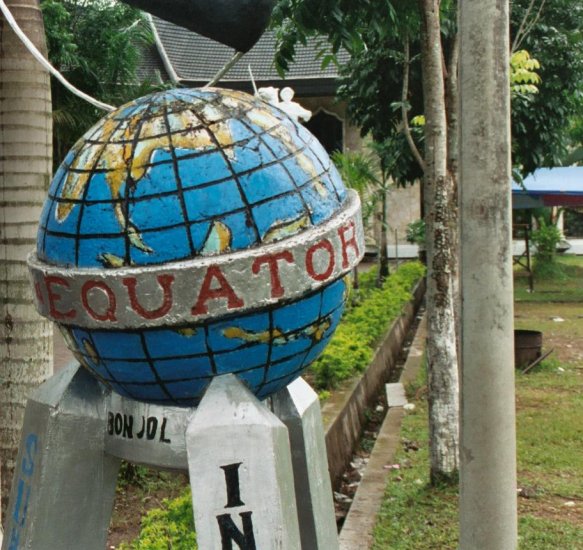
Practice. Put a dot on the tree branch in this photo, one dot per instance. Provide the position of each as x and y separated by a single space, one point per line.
404 110
525 25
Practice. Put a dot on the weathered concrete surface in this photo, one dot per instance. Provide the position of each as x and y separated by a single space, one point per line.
357 531
240 466
344 413
396 395
64 484
298 407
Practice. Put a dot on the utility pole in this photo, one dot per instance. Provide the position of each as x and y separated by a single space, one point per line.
488 516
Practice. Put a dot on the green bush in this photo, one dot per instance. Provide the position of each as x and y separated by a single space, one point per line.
352 346
170 527
416 233
546 238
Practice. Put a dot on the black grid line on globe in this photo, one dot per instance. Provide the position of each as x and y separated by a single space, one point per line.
129 184
82 205
42 235
294 154
145 118
320 319
86 191
210 352
270 346
160 381
210 183
155 196
244 199
62 183
178 181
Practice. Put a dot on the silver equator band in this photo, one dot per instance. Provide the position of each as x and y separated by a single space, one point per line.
190 291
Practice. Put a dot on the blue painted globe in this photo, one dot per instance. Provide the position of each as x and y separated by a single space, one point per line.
183 174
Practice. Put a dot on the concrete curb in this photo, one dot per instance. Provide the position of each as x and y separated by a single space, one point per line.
357 531
344 413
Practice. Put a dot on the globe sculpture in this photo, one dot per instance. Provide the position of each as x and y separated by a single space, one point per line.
193 233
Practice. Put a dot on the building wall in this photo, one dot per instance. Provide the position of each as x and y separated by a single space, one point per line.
404 207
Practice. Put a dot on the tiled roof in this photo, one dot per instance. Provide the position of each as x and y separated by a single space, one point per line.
196 59
151 66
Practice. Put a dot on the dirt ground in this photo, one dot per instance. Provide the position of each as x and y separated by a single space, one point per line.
135 498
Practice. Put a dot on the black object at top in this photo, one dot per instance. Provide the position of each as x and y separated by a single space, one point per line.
235 23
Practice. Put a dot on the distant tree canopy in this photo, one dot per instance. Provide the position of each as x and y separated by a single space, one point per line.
96 45
542 122
375 32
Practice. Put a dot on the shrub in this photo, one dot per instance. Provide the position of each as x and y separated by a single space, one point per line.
546 238
416 233
352 346
168 527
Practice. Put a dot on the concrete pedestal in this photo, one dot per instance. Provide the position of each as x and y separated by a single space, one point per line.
251 488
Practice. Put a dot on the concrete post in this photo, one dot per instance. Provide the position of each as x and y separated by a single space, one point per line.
298 407
240 468
64 483
488 516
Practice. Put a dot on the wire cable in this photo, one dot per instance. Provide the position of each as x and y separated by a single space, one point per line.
45 63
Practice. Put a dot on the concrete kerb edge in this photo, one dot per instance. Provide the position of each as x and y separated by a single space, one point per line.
357 531
343 414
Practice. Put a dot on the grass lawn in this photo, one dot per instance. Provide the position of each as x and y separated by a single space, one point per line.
550 439
568 288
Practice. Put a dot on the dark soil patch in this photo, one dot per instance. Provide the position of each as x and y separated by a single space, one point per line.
553 508
145 490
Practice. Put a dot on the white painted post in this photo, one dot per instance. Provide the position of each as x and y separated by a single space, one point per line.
298 407
240 469
488 516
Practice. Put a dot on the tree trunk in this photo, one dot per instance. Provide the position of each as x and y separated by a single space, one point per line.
442 365
452 106
383 241
25 168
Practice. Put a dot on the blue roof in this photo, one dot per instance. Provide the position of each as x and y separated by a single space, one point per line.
561 186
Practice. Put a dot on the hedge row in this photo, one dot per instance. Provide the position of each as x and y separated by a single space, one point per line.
352 347
350 350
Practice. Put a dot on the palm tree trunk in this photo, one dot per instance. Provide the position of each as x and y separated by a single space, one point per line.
442 363
25 168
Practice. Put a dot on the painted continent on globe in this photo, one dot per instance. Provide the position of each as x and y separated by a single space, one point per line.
193 233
